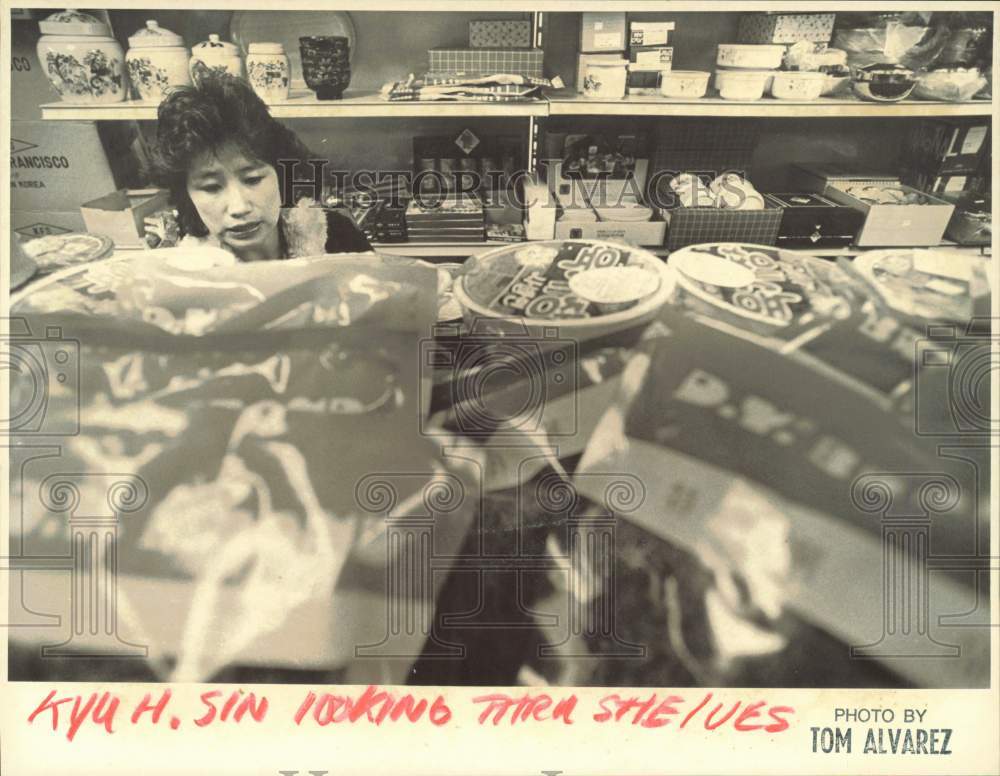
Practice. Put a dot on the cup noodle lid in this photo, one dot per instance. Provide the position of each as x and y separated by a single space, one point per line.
215 46
265 48
154 36
71 22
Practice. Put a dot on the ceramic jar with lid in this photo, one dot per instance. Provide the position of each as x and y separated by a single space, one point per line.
268 71
81 59
215 55
157 61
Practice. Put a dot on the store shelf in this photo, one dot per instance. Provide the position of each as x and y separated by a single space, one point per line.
420 250
569 103
301 105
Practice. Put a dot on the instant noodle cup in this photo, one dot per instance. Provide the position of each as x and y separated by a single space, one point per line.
533 289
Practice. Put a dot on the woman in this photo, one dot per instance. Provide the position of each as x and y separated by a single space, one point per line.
218 152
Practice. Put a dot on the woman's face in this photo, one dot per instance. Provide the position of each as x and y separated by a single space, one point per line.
238 201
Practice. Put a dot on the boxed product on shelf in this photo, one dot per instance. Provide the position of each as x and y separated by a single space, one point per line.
601 32
120 215
499 33
649 33
948 186
944 147
651 57
776 27
643 233
384 223
540 209
811 220
600 166
501 208
486 61
594 59
895 214
690 225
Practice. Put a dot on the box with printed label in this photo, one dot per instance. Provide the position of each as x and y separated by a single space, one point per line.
56 165
651 57
29 86
645 233
649 33
500 34
29 224
785 27
121 214
600 32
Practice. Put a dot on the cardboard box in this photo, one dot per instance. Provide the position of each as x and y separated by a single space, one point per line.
885 225
120 215
29 86
649 33
500 34
29 224
602 32
785 27
56 165
483 61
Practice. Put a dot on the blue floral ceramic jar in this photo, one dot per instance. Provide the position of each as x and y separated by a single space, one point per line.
81 59
157 61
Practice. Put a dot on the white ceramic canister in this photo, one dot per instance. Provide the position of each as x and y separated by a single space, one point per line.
268 71
215 55
605 80
157 61
81 59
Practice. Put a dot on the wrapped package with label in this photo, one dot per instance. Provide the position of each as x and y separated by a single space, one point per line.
486 61
764 426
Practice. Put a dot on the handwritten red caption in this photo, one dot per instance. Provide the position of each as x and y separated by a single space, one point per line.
377 706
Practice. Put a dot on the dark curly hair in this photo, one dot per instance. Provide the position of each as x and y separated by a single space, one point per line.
220 110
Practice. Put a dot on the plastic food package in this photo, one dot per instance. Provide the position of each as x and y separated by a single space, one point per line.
245 404
777 392
912 47
949 85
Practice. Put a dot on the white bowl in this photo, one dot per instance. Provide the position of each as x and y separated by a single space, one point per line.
684 84
741 84
750 56
798 85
